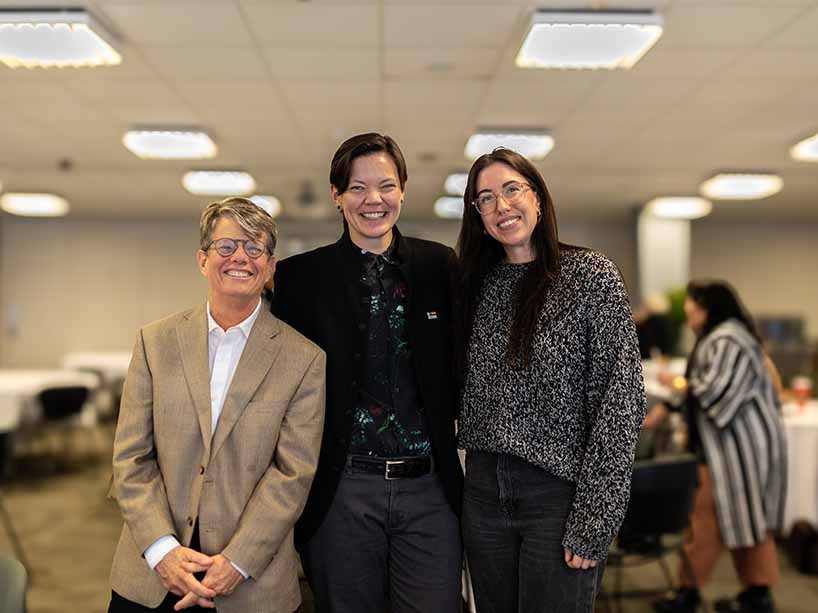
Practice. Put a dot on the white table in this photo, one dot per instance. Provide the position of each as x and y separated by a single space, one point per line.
801 427
654 389
112 365
19 390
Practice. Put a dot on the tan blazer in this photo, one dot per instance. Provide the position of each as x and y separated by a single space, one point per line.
246 485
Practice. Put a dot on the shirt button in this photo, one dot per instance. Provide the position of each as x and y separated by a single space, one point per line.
362 326
353 384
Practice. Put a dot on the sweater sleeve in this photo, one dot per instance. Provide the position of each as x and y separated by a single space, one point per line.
615 410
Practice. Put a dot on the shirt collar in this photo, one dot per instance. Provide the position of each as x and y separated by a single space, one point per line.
245 326
392 254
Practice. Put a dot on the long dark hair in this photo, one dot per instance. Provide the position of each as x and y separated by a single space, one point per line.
721 302
478 252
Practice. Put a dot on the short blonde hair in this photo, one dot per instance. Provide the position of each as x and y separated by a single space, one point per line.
252 219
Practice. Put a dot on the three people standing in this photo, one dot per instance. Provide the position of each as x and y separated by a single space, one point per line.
547 385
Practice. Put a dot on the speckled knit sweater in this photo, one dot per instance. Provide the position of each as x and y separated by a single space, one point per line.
576 411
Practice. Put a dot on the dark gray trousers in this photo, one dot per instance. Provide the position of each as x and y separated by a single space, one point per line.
514 516
386 546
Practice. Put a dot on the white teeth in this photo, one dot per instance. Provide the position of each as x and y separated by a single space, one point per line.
374 215
237 273
507 222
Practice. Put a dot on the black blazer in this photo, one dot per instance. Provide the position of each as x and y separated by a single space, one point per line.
315 292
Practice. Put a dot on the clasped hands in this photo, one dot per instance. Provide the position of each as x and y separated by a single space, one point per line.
176 572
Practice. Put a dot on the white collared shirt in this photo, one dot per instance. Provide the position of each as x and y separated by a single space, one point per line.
224 348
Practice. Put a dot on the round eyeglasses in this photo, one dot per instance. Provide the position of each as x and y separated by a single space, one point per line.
512 193
226 247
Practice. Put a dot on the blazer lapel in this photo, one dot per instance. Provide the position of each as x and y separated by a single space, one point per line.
192 335
256 360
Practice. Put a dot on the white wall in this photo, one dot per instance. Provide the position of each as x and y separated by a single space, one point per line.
774 267
88 285
79 284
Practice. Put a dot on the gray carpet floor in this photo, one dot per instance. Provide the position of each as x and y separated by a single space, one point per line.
69 529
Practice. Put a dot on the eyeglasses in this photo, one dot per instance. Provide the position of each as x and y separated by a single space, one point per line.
226 247
512 193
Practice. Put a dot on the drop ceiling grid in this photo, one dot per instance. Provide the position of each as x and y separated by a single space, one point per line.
306 75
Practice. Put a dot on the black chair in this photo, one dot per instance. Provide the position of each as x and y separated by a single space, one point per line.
61 408
662 491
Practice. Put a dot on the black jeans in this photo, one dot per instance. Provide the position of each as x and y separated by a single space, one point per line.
386 546
513 521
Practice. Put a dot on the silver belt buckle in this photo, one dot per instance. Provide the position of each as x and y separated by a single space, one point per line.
390 463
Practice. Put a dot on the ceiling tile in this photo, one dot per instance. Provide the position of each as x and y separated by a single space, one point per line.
307 24
334 63
440 62
179 23
449 26
207 62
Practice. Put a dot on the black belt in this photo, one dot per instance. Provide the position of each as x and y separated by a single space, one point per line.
391 469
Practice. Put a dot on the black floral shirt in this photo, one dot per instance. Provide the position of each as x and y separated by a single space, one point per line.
388 419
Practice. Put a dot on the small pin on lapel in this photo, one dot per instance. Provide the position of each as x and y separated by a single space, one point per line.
431 314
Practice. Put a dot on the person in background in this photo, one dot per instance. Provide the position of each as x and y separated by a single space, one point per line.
217 439
735 429
552 402
653 327
380 530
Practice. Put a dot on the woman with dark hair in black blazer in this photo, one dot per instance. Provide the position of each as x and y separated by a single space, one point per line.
552 401
380 529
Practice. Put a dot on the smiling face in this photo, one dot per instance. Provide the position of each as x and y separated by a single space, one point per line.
371 203
510 224
236 280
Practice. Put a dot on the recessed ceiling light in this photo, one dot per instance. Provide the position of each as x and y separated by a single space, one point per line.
271 204
806 150
533 144
456 183
741 186
449 207
34 205
159 144
588 40
673 207
219 182
54 38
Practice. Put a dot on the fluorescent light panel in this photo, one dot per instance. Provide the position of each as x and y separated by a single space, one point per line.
449 207
54 38
34 205
163 144
456 183
588 40
219 182
533 144
741 186
676 207
271 204
806 150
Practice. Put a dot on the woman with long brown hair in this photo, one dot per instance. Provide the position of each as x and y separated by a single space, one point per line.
552 397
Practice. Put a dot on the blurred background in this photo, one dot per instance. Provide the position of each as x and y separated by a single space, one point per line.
264 91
